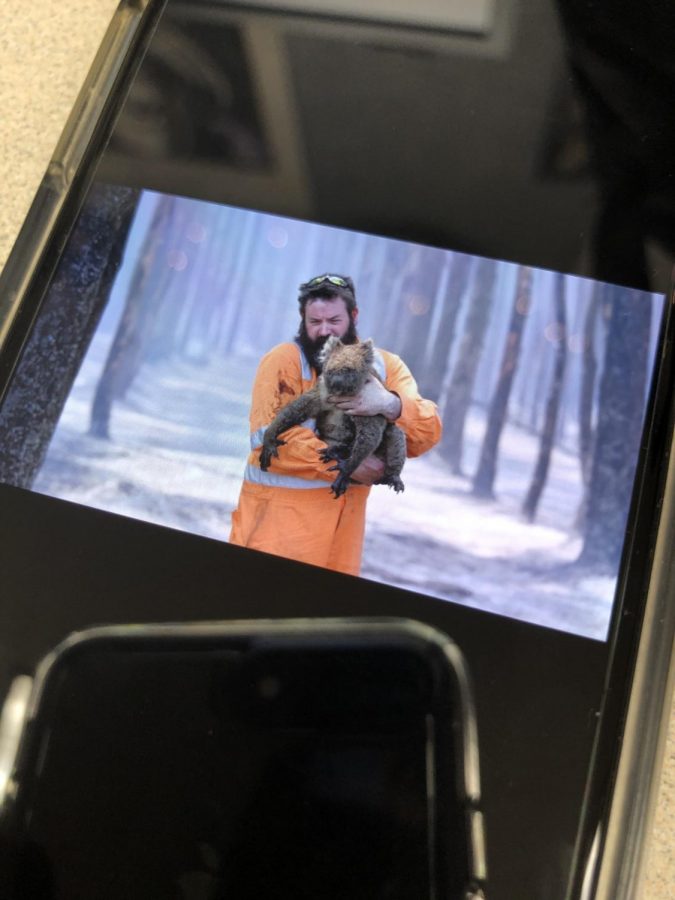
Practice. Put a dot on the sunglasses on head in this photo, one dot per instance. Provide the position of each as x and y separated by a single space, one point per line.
331 279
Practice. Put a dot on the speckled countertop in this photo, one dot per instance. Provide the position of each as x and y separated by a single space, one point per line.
46 49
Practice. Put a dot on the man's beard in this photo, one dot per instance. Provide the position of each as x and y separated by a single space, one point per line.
312 348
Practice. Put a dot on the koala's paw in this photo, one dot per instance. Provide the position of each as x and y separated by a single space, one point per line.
394 482
334 453
328 454
340 485
268 451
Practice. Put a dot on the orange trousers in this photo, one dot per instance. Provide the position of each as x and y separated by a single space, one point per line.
310 525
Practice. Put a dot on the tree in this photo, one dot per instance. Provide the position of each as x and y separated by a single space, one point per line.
401 264
69 314
458 395
420 293
617 440
586 394
538 364
432 377
483 481
552 404
166 275
237 289
193 325
148 283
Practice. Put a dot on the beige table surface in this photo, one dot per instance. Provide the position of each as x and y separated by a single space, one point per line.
46 49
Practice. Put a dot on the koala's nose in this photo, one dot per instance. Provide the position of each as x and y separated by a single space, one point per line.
340 383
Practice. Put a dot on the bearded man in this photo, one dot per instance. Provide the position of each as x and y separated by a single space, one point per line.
289 509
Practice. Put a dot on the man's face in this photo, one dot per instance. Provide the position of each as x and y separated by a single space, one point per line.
325 316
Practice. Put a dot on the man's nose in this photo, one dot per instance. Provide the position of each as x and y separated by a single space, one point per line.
325 329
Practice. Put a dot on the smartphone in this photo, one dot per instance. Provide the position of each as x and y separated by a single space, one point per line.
475 180
289 759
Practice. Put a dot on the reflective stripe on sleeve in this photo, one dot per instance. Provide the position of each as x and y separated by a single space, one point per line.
271 479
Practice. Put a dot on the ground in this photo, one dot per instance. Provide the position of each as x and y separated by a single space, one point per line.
178 446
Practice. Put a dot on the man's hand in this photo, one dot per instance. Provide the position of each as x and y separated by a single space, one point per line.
372 400
370 470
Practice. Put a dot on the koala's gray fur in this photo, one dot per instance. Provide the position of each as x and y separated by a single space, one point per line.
349 439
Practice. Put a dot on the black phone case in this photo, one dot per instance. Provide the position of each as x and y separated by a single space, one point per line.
572 728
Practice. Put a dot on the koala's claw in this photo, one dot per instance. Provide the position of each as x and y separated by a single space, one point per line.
340 485
340 466
342 482
393 481
334 453
268 452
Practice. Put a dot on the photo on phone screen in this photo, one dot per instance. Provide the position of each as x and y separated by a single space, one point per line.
523 398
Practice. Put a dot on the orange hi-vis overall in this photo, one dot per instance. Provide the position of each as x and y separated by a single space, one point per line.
289 510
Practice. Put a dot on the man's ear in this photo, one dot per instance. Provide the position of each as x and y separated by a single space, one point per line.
355 315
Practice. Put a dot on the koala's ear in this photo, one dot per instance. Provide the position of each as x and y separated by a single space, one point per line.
330 345
368 350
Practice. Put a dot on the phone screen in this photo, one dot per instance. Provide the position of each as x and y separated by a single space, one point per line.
196 771
164 419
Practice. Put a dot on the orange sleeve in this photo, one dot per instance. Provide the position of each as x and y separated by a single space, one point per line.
278 381
419 418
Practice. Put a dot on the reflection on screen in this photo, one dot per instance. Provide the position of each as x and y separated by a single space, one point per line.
240 807
539 380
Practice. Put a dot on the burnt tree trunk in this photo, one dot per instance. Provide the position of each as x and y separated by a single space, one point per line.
126 349
434 371
617 439
483 482
224 274
403 286
162 338
539 369
163 281
199 310
68 318
552 405
236 293
423 294
586 393
460 389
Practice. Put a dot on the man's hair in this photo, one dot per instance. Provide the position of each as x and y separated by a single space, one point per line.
327 287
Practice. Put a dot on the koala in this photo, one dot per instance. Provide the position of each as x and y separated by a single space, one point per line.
349 439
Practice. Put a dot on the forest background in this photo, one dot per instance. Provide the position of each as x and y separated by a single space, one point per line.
165 306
